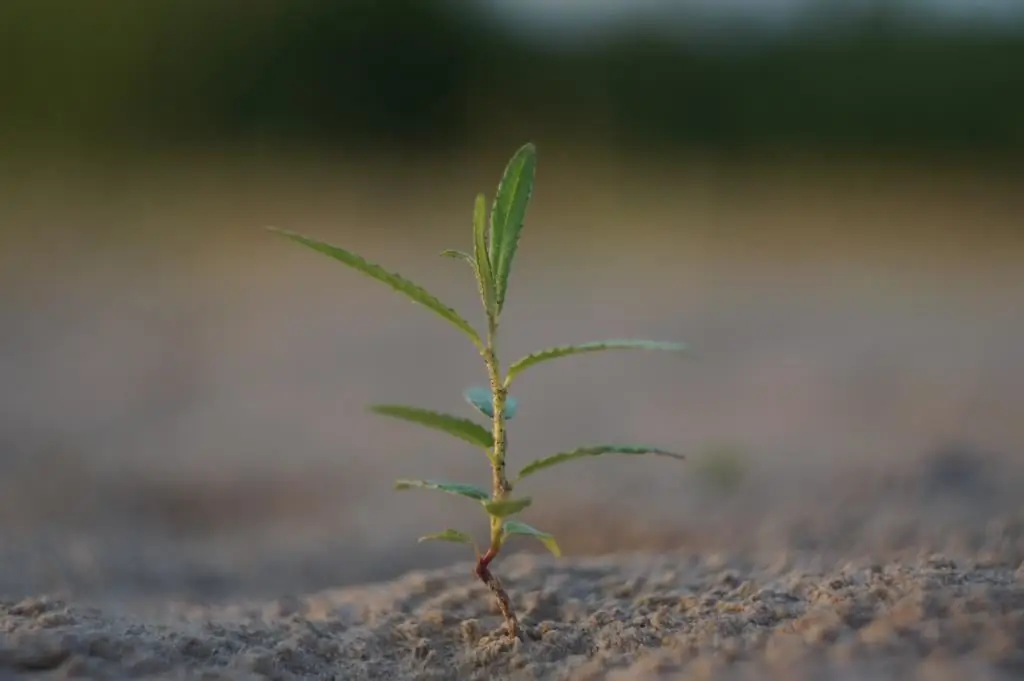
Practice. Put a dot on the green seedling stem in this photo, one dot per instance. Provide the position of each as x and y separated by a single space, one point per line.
495 241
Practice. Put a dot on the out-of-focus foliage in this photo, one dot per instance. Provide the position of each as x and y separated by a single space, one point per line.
367 72
165 70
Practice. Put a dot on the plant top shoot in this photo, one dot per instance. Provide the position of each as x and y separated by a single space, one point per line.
495 239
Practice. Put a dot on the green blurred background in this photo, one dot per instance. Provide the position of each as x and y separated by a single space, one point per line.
823 198
438 75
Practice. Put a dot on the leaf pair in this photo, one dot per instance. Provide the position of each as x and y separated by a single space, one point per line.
511 527
476 434
495 241
502 508
483 401
496 508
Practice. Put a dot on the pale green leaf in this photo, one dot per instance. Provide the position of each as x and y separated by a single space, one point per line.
508 214
506 507
592 450
449 535
516 527
459 255
483 400
484 274
464 429
459 488
413 291
520 365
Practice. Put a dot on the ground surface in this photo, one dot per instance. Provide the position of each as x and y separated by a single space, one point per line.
918 577
658 617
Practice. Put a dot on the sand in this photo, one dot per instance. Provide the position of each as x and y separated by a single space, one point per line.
855 590
642 617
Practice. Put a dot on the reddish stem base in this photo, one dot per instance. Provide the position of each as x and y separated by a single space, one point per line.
492 583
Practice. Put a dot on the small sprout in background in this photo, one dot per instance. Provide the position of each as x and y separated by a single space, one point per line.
495 240
722 469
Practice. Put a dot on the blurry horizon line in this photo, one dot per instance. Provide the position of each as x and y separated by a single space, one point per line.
582 21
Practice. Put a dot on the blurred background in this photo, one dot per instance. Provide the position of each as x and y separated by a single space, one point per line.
822 197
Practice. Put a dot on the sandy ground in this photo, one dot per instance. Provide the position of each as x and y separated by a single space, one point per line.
919 576
652 617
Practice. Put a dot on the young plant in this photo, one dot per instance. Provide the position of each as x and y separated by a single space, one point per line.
495 239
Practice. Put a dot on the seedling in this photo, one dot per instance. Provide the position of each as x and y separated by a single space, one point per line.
495 239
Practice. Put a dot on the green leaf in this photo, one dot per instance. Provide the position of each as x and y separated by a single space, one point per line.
449 535
395 281
459 488
516 527
591 450
506 507
459 255
520 365
484 274
483 400
508 214
464 429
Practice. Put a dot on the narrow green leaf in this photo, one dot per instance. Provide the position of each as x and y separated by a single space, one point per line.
516 527
524 363
508 214
413 291
459 488
484 275
459 255
506 507
592 450
464 429
483 400
449 535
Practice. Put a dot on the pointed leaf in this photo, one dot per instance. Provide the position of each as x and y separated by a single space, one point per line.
459 255
516 527
508 213
459 488
464 429
449 535
484 274
413 291
506 507
592 450
520 365
483 400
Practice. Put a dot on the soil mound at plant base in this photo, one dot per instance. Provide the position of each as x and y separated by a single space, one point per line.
665 616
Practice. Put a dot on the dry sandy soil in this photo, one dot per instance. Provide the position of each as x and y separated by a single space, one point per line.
658 617
911 577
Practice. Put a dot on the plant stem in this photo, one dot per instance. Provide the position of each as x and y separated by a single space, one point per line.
492 583
500 484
